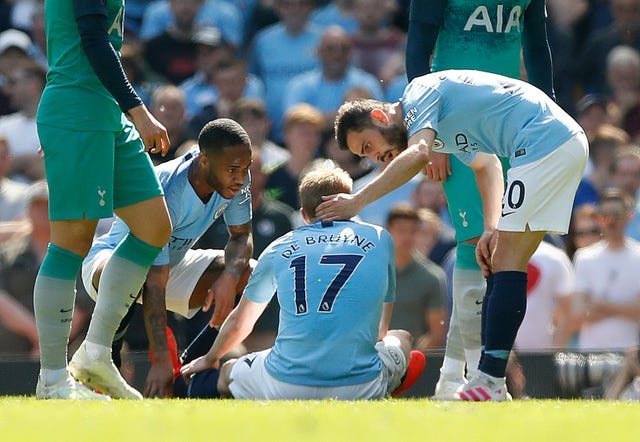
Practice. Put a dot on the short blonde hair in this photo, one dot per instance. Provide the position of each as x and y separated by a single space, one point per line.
325 178
303 113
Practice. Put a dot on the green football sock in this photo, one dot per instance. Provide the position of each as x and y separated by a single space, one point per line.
120 282
54 294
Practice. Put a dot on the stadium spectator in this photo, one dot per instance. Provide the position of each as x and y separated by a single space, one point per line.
590 69
24 86
606 290
430 105
549 286
583 229
353 356
625 175
603 144
252 115
13 194
172 53
18 331
337 12
375 41
168 106
281 51
303 125
231 82
592 112
434 239
623 79
325 86
159 16
420 284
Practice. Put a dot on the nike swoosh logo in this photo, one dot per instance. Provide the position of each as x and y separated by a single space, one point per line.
478 302
249 362
507 213
132 296
62 310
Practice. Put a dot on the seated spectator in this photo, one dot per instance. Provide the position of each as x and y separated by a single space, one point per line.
252 115
583 229
230 82
375 40
168 106
623 79
13 194
15 48
24 85
303 126
549 286
603 143
606 289
420 284
434 240
325 86
625 175
18 333
337 12
592 112
283 50
172 53
223 15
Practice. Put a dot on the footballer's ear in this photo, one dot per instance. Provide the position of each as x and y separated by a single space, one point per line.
380 117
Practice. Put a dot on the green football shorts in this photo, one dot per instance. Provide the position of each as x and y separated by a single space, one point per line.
92 173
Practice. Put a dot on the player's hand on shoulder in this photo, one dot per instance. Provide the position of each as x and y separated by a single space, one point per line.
153 133
439 167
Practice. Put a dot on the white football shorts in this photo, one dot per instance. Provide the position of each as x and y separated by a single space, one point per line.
251 380
183 277
540 194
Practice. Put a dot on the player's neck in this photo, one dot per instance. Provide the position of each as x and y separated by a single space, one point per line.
198 181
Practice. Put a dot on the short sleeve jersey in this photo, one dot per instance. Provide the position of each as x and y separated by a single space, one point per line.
74 97
332 280
190 216
474 111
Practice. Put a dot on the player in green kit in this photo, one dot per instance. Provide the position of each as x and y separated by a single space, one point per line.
96 164
485 35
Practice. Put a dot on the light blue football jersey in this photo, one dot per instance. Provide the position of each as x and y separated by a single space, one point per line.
474 111
332 279
190 216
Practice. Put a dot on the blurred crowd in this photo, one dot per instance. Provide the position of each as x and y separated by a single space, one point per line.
281 68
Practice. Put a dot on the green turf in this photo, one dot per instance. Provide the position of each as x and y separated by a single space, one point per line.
25 419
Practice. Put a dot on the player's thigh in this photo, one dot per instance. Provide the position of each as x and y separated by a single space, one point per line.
186 289
79 167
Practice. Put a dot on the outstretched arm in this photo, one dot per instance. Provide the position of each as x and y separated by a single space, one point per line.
234 330
401 169
237 253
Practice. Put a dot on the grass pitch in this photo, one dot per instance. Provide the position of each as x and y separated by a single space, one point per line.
25 419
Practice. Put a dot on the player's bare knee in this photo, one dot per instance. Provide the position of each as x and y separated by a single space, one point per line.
224 378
